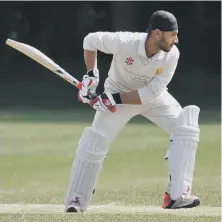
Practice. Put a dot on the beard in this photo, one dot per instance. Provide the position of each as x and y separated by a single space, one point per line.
166 49
163 46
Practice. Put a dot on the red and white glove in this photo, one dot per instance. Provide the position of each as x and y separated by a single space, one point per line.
90 82
103 102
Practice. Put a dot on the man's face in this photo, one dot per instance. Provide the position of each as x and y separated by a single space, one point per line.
167 41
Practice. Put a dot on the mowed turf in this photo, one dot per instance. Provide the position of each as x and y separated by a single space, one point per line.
37 150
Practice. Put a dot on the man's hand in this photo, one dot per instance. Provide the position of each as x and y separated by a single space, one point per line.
90 82
103 102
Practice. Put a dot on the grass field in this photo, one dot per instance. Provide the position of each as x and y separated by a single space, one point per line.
37 150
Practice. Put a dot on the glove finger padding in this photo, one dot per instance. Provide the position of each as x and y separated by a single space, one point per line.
87 84
83 99
93 75
90 82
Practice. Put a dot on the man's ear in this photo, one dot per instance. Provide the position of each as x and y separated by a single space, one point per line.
158 34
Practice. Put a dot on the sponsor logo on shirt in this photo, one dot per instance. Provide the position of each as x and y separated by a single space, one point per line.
138 77
158 71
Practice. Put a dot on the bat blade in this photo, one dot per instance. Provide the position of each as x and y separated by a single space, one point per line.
33 53
42 59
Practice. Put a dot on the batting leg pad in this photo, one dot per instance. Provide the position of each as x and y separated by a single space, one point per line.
166 158
87 165
183 151
168 151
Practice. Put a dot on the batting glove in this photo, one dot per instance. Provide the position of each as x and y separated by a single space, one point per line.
103 102
90 82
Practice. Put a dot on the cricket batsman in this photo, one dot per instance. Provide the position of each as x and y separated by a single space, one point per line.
142 66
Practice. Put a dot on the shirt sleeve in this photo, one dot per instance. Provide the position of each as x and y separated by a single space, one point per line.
159 83
107 42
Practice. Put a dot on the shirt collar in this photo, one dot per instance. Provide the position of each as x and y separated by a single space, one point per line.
141 50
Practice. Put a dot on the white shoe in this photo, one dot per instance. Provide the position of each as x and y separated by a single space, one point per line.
74 207
185 201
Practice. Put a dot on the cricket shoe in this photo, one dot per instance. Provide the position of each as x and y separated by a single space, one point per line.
74 206
72 209
185 201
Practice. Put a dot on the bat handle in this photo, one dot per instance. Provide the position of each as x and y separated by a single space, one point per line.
78 85
93 95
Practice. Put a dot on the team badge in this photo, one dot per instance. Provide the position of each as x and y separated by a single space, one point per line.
158 71
129 61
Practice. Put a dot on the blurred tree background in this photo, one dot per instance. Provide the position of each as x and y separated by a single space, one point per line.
58 29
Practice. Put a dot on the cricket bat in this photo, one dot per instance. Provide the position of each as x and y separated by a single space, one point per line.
44 60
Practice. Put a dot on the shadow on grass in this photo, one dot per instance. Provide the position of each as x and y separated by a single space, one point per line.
83 116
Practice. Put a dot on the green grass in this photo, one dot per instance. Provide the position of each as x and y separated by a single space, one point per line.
38 149
100 218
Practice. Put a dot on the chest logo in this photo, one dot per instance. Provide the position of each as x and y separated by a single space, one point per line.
129 61
158 71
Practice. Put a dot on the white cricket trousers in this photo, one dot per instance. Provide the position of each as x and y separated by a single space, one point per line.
164 112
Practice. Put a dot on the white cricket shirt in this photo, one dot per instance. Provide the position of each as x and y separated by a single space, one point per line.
130 68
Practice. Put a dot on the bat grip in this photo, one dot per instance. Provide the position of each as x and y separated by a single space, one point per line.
92 95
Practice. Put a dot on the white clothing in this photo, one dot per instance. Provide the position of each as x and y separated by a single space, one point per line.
130 68
163 112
